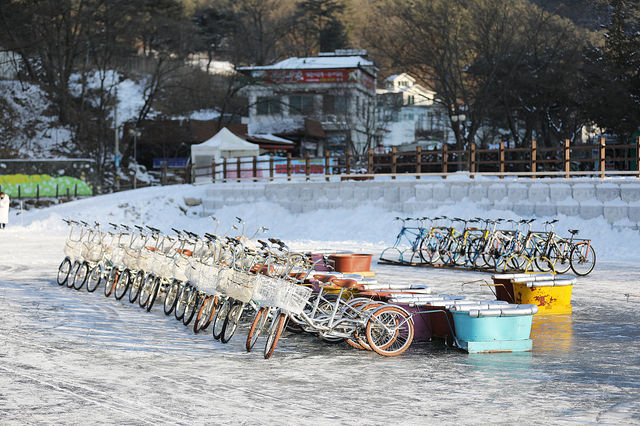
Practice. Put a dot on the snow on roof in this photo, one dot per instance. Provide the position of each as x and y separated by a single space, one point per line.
316 62
270 137
404 75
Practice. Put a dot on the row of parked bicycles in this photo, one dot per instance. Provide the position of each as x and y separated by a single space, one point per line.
218 281
492 244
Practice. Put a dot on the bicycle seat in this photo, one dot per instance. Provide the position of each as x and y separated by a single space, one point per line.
323 278
298 275
344 282
574 231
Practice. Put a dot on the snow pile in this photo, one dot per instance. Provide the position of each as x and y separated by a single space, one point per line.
363 226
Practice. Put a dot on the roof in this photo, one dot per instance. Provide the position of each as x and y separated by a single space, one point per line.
316 63
269 137
226 141
404 75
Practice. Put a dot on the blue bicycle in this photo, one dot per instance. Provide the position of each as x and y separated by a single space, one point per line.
406 248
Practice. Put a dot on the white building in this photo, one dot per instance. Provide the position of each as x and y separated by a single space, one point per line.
406 91
411 114
336 89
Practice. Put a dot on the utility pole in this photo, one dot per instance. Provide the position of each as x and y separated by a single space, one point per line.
135 133
116 152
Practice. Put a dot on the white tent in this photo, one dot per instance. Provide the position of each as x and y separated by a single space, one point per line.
223 144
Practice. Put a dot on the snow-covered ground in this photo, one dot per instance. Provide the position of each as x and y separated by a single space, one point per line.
73 357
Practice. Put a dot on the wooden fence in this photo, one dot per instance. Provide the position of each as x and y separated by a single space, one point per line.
533 161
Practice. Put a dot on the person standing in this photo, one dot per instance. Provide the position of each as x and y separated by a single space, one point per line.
4 210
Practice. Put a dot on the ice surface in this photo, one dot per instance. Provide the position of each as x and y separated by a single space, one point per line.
69 356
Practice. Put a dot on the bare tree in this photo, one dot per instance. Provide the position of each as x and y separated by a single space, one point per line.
470 53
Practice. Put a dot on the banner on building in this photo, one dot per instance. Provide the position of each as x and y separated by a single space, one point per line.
263 165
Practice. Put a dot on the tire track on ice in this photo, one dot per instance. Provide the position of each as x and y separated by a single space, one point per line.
132 409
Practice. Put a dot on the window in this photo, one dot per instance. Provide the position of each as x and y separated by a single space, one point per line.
411 99
268 105
301 104
335 105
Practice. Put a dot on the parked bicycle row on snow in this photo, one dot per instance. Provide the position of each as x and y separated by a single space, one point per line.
479 243
219 280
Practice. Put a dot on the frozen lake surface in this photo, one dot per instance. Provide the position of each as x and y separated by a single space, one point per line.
75 358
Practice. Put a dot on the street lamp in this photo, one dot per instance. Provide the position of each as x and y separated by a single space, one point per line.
136 134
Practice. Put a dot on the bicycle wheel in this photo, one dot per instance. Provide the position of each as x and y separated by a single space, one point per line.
81 275
231 322
274 334
294 327
218 319
459 252
145 290
519 263
541 259
216 303
112 281
358 340
205 314
474 253
181 304
391 254
155 288
389 331
171 297
73 272
429 250
582 259
449 253
95 277
325 307
193 304
560 257
136 285
63 271
123 284
493 252
257 326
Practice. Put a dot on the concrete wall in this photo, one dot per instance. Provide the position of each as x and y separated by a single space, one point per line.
617 200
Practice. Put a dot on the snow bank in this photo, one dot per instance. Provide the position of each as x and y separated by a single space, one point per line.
365 225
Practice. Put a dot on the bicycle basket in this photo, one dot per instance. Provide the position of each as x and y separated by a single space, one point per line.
208 279
266 290
162 266
192 271
180 266
130 258
239 286
145 260
72 249
223 279
114 255
92 252
292 297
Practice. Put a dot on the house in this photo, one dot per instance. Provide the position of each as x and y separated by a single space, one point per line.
323 102
402 89
410 113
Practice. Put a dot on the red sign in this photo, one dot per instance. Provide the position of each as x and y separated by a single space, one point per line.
318 76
